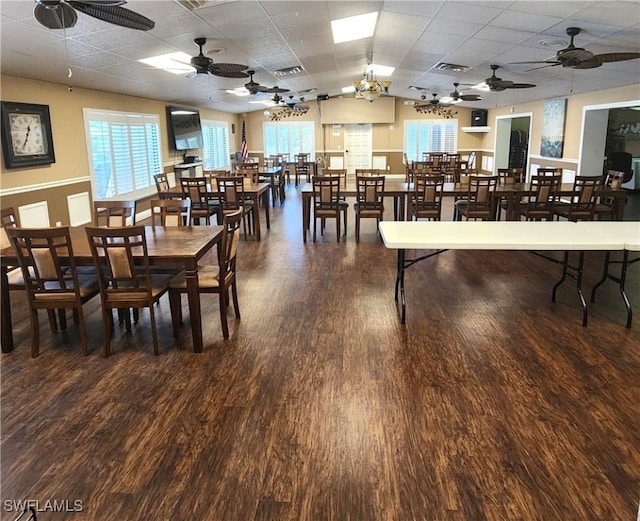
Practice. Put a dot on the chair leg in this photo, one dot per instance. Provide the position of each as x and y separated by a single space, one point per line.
357 228
53 321
107 327
175 303
154 332
62 317
315 220
234 294
345 222
35 333
223 313
77 312
338 227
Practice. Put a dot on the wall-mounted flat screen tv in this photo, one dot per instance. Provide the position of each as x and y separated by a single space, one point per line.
184 127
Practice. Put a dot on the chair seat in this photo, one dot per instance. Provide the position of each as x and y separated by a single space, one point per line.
88 286
368 212
159 283
15 279
208 277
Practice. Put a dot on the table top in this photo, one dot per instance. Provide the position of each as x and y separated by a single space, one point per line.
171 243
508 235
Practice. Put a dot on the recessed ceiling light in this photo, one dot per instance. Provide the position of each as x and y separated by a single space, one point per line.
175 62
380 70
354 27
553 42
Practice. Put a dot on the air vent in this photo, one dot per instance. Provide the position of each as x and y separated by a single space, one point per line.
192 5
450 67
289 71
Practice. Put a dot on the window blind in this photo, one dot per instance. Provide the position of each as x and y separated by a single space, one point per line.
289 138
431 135
124 151
216 144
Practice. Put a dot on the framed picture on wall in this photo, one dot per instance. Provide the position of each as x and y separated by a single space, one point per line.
553 122
26 134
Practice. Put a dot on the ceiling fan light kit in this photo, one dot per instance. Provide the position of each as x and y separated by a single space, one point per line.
435 107
292 108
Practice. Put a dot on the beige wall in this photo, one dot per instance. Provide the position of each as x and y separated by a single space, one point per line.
573 126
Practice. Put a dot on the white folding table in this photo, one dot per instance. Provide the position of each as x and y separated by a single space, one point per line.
531 236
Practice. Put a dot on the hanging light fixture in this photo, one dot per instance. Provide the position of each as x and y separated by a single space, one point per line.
291 109
435 107
369 87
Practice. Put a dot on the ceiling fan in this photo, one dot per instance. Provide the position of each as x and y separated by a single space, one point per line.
579 58
496 84
254 87
457 96
432 102
61 14
204 65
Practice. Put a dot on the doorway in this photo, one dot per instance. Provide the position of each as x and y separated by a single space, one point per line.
358 147
512 142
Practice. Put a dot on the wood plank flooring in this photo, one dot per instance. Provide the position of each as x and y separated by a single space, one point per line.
492 404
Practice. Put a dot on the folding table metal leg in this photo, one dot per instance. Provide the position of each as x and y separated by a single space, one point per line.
400 283
620 280
577 276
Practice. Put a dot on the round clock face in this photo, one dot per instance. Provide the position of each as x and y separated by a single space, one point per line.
26 134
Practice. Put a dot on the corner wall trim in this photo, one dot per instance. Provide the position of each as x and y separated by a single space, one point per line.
43 186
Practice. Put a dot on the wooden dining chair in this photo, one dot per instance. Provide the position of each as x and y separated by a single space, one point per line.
125 279
605 205
479 202
202 206
507 177
425 200
51 280
232 199
582 205
170 212
369 200
328 204
114 213
213 279
162 183
302 168
337 172
540 201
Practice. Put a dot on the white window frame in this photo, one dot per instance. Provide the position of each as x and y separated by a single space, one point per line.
283 146
434 145
142 167
216 159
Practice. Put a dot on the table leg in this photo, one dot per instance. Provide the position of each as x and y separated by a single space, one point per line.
5 314
306 211
265 201
193 294
620 280
400 284
256 217
401 208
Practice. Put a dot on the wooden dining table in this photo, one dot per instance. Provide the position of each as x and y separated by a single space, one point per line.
253 191
511 192
174 246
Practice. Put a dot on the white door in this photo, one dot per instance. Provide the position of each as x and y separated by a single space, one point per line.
358 147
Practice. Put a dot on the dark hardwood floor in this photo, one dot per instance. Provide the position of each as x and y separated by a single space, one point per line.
492 404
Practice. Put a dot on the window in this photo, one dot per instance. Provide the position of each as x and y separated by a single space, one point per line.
124 152
216 144
289 138
431 135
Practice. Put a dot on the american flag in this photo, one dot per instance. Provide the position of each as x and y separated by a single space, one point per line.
243 147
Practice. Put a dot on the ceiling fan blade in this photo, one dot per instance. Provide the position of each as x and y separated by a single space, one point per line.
520 86
60 16
588 64
114 14
617 56
104 2
548 62
228 70
469 97
275 90
544 66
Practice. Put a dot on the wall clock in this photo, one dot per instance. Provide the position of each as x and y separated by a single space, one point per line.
26 135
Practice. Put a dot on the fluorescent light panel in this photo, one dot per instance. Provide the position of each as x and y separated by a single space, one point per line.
380 70
347 90
354 27
175 62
